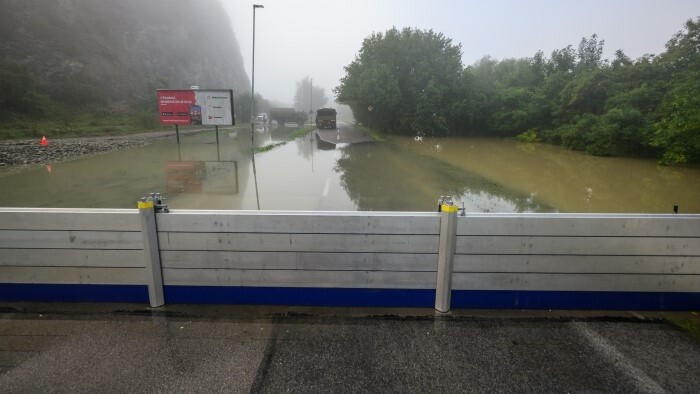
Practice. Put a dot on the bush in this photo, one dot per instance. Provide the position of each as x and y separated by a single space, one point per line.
528 136
551 137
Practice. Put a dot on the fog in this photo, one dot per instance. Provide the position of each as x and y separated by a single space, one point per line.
317 38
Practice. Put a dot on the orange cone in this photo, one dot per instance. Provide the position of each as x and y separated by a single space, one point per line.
44 141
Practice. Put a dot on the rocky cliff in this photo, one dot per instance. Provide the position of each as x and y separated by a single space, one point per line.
121 50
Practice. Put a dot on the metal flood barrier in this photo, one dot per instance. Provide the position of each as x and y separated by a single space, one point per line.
388 259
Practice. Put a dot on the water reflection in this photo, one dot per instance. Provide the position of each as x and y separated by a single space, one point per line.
217 177
185 173
299 176
402 174
280 133
255 177
323 145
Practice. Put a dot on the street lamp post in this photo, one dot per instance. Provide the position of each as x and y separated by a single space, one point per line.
252 111
252 98
311 101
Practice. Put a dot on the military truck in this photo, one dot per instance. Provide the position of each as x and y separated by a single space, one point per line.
287 115
325 118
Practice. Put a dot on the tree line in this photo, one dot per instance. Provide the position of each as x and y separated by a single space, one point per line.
77 101
415 84
24 102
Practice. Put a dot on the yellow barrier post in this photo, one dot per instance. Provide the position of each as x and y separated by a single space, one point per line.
446 253
151 250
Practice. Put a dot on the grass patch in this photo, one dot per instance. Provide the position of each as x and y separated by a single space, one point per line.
91 125
691 326
267 148
373 134
82 125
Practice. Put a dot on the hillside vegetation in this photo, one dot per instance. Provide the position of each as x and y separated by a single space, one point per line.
73 65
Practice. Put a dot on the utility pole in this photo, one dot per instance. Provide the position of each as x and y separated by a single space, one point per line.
311 101
252 98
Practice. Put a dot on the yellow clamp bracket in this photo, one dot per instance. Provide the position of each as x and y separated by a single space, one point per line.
145 204
448 208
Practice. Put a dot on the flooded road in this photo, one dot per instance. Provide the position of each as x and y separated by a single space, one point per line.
400 174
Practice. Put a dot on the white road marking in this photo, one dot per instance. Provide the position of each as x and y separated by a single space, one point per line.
617 360
637 315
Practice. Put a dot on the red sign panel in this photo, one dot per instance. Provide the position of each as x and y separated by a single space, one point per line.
178 107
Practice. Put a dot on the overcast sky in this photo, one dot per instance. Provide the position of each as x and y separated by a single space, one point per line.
317 38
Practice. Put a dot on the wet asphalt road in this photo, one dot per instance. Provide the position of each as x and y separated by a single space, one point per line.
75 349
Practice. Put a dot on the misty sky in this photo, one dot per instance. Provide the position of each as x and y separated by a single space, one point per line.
317 38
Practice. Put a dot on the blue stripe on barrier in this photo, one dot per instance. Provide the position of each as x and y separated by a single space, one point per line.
601 300
73 293
345 297
300 296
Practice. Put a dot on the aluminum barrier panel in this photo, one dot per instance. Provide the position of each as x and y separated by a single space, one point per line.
524 261
49 254
565 261
297 258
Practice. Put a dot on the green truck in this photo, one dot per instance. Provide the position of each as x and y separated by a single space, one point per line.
287 115
325 118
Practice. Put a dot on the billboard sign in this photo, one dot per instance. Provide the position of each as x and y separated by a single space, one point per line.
194 107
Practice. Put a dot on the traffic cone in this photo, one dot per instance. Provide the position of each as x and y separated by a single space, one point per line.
44 141
49 168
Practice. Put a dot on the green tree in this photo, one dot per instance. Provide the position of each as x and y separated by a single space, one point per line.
19 92
478 100
410 78
519 103
648 106
590 53
621 131
677 132
241 106
586 93
304 98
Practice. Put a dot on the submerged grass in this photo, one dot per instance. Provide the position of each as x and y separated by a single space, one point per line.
373 134
291 137
300 132
267 148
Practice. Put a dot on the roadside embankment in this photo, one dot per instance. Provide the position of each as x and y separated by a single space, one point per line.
18 152
30 151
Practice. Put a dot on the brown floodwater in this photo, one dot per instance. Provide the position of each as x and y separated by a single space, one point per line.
401 174
567 180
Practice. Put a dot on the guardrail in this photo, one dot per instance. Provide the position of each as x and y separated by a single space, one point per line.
441 260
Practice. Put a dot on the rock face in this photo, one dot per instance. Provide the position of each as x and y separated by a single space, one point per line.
125 48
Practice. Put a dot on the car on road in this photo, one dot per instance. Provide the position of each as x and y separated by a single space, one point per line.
261 119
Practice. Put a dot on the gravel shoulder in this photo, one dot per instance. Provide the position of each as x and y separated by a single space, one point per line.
26 152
